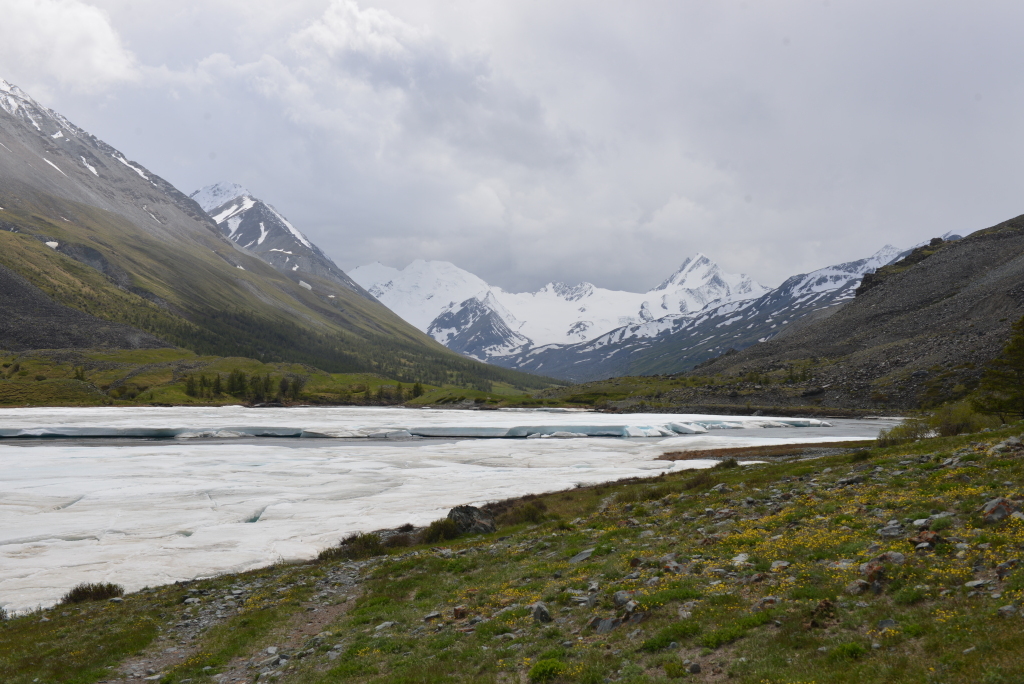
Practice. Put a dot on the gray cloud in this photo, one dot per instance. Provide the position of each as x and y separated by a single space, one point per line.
530 141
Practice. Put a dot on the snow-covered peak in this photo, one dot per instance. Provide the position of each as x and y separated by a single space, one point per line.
213 196
421 291
700 282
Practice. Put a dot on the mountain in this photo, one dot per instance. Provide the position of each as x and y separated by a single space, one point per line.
260 229
920 335
679 342
583 332
486 322
86 228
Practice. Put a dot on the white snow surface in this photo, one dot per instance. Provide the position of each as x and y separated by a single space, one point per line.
557 313
149 513
212 196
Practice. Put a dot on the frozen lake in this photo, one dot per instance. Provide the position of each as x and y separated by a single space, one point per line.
215 498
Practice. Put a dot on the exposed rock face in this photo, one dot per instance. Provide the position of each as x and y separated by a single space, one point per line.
31 320
471 520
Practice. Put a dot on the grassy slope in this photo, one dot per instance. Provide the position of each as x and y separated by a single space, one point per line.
775 512
158 376
215 308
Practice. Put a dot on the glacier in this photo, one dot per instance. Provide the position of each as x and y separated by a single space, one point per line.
221 500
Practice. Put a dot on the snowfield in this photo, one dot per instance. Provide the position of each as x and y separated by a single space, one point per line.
147 513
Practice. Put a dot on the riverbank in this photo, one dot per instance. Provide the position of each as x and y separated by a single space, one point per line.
871 566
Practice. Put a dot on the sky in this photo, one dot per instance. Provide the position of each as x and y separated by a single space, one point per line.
531 142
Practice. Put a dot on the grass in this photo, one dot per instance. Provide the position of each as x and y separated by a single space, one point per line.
737 618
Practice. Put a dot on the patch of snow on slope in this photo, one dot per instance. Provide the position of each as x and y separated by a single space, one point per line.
263 234
54 166
89 166
294 231
234 209
136 169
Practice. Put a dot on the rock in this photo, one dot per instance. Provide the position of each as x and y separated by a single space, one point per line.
873 571
540 612
1004 568
382 626
720 488
471 520
922 523
432 616
888 624
621 598
857 587
765 602
603 626
582 555
998 509
849 481
975 584
674 568
694 668
894 557
459 612
891 531
1007 611
778 566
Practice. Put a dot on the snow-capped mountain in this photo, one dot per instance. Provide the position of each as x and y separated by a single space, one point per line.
679 342
257 227
584 332
464 313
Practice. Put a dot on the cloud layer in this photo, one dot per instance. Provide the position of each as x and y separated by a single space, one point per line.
531 142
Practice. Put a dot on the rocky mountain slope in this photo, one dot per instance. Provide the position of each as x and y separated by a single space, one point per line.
918 336
128 247
582 333
257 227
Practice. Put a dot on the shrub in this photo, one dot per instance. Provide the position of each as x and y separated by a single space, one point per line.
546 670
940 524
860 456
398 540
727 463
675 670
439 530
93 592
723 636
959 418
531 512
848 652
910 430
354 547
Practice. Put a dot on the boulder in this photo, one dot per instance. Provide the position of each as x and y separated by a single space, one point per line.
857 587
540 612
621 598
891 531
998 509
471 520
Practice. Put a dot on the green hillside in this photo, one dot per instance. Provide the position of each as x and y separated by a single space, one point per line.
193 294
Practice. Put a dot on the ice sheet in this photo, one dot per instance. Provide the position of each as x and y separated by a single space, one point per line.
355 422
149 513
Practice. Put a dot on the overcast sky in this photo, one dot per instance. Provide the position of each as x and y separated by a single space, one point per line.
532 141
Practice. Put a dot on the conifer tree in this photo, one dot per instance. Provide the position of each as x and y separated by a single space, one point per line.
1002 386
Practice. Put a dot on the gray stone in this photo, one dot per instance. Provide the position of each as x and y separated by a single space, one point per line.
432 616
582 555
1008 611
694 668
471 520
998 509
887 624
621 598
779 565
857 587
891 531
540 612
